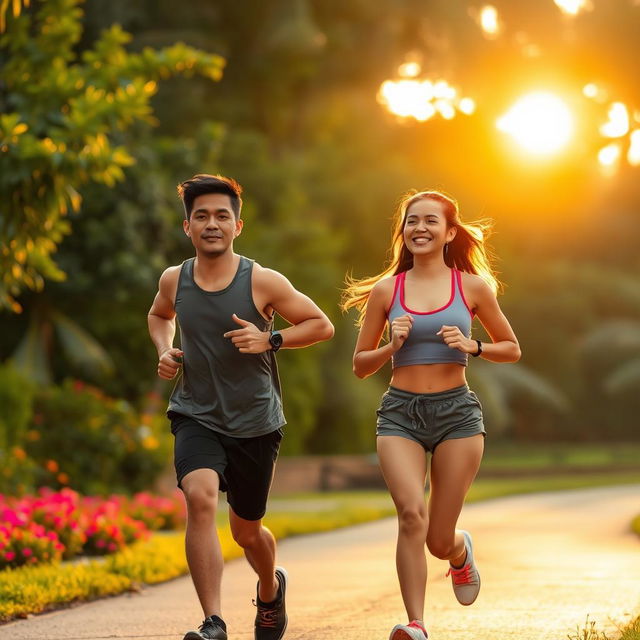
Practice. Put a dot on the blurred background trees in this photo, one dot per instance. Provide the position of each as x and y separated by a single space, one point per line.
103 114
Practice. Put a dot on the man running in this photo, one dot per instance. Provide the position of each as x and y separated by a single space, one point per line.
226 408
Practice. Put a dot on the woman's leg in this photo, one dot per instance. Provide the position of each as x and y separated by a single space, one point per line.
404 467
454 465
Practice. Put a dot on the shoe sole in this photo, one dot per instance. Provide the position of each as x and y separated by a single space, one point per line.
194 635
401 634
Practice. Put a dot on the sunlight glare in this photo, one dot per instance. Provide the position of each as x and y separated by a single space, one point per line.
573 7
590 90
633 155
409 69
609 157
618 123
445 109
540 122
422 99
489 21
467 106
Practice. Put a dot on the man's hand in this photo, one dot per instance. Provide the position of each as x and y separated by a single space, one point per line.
249 339
169 363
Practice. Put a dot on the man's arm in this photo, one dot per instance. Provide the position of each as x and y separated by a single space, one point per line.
309 324
162 324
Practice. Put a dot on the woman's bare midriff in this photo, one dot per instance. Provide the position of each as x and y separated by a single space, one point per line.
428 378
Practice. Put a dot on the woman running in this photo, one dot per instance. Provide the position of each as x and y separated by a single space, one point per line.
439 278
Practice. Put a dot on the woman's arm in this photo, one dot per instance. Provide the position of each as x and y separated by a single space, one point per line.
368 357
504 345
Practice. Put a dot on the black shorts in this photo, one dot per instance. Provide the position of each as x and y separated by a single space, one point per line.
245 465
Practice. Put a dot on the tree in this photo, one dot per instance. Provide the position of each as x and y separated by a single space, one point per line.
64 124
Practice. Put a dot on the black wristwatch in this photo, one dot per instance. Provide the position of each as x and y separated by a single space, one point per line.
479 351
275 340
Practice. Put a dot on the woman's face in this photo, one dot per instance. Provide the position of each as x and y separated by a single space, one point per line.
425 228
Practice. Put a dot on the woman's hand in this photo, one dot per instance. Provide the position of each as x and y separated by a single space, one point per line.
455 339
400 329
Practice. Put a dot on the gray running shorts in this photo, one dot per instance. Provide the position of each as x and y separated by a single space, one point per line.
430 418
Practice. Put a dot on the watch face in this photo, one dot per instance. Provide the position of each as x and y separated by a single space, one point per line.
276 340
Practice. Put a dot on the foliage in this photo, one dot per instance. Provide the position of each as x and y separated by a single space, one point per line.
34 354
38 588
16 396
82 425
61 525
590 631
62 125
27 543
295 120
16 7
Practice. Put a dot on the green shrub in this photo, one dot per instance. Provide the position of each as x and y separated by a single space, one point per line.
16 398
95 443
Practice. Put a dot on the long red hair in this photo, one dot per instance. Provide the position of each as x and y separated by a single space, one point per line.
466 252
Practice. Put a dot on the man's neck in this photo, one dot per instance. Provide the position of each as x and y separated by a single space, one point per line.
217 265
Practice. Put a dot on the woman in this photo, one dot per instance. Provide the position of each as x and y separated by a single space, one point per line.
438 280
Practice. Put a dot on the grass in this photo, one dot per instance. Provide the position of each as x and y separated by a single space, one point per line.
548 458
36 589
590 632
486 488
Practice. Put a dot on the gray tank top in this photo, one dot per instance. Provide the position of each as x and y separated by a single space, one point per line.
423 346
234 393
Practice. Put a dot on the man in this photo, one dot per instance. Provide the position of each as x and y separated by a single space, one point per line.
226 409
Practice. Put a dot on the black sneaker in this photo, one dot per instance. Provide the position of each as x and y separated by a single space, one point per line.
213 628
271 618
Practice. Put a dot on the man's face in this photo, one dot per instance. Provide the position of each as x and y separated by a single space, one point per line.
212 225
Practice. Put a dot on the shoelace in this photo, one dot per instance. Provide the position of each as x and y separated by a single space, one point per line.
461 576
208 623
267 616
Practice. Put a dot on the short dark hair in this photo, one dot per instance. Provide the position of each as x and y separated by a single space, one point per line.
204 183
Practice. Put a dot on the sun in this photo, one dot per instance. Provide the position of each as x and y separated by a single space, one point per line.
540 122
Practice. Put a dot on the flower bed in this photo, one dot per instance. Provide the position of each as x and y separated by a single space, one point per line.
51 525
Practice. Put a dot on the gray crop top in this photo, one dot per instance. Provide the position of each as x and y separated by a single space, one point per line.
423 346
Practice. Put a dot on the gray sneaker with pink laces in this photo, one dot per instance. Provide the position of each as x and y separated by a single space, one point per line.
412 631
466 579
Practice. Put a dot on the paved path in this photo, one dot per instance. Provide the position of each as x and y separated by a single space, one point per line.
547 560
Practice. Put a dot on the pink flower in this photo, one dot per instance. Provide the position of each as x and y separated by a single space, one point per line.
26 552
9 556
100 544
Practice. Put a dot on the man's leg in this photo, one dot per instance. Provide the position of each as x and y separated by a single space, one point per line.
249 473
259 547
204 555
